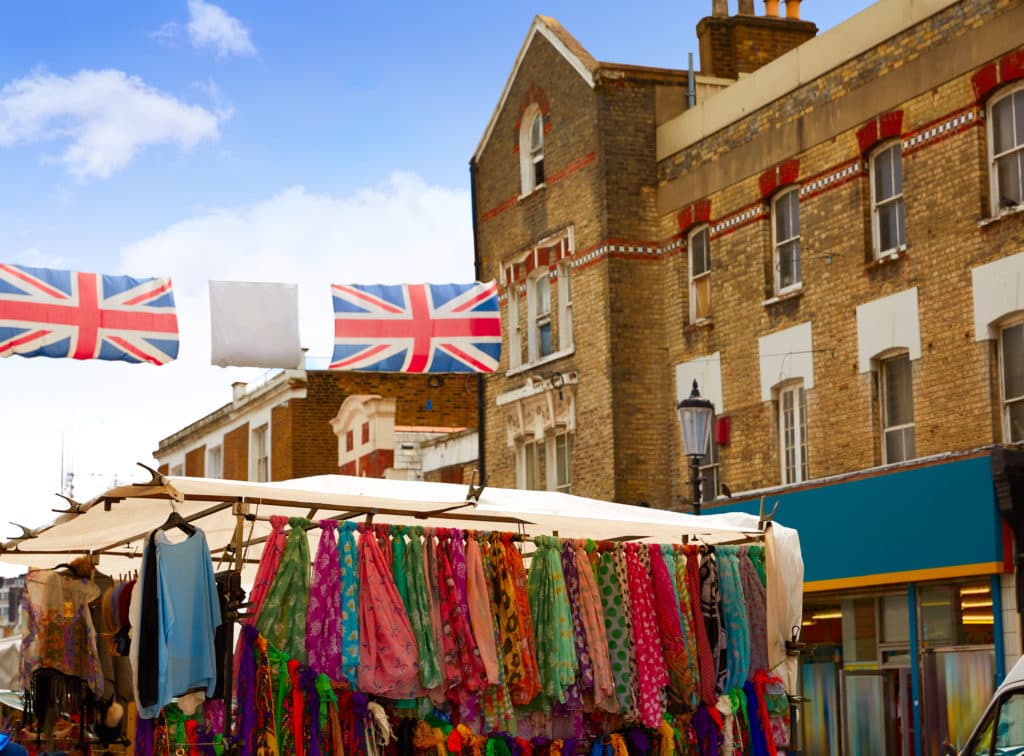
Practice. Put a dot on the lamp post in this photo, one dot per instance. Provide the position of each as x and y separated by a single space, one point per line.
695 414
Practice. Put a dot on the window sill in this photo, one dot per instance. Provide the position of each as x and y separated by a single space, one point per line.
1004 213
785 296
703 324
533 191
889 257
553 357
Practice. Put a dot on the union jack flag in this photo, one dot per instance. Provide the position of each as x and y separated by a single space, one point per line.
62 313
417 328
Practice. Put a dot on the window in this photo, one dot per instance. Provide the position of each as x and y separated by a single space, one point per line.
1011 370
260 455
515 354
699 244
563 463
786 240
531 470
793 433
1006 141
887 222
540 316
531 149
565 337
215 462
897 400
709 470
177 470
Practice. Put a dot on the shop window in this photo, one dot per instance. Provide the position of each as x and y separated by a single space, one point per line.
897 401
215 462
1006 150
1011 372
699 245
793 432
786 241
887 215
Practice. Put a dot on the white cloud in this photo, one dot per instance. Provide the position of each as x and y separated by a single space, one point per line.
107 116
112 415
210 25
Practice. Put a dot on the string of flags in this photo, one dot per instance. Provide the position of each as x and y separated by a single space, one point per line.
409 328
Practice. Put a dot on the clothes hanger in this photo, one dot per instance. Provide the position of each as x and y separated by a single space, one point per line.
175 520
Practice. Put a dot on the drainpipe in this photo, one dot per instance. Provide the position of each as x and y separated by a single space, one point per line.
691 86
481 417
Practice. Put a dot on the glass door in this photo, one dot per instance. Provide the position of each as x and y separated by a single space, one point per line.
866 727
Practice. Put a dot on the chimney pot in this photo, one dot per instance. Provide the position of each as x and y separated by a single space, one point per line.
793 9
720 8
771 8
746 7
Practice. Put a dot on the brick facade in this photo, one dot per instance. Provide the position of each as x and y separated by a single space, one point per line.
630 213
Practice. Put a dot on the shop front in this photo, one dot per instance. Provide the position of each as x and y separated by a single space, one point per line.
910 608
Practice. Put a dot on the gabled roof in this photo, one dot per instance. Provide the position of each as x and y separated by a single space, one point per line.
566 44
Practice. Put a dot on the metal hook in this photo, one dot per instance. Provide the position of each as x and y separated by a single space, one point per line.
74 507
475 492
762 518
156 478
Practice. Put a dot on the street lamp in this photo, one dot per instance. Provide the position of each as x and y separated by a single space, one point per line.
695 414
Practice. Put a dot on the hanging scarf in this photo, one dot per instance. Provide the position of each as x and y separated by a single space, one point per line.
387 664
398 572
348 564
282 619
451 559
619 633
758 739
705 658
552 619
734 609
445 647
418 609
652 675
678 574
711 608
761 681
307 681
296 711
323 621
585 679
597 639
278 663
754 595
724 707
670 629
247 690
707 730
479 603
266 728
528 649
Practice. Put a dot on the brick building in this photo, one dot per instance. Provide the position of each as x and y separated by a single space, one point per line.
830 241
298 423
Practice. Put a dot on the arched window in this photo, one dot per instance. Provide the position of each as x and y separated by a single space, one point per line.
786 240
1006 149
531 149
887 216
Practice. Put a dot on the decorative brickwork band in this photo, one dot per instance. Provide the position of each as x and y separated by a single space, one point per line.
943 128
552 179
988 78
534 95
697 213
779 175
882 127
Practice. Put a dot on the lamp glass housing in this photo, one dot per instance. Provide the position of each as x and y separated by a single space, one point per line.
695 415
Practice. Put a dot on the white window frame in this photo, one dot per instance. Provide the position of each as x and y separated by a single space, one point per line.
215 454
176 471
778 244
531 152
538 318
792 431
884 364
528 451
1018 148
260 461
565 332
896 199
1005 402
698 232
554 482
515 344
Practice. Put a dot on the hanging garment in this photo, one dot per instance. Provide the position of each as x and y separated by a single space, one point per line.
670 630
711 608
758 740
734 611
513 577
418 609
265 724
349 565
705 657
479 603
387 663
323 619
708 730
496 700
585 679
246 690
597 638
619 632
398 573
282 619
754 595
652 674
452 561
675 559
552 619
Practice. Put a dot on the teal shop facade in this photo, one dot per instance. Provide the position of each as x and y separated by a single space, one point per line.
910 598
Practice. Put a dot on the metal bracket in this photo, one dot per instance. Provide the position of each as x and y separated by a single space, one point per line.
762 518
74 507
475 492
26 533
156 478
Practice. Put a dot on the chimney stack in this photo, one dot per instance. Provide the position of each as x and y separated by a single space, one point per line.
719 8
771 8
793 9
731 46
746 8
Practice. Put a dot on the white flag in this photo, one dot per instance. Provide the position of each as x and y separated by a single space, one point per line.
254 324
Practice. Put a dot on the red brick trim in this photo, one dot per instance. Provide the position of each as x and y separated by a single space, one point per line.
833 178
551 180
534 95
777 176
499 209
878 129
698 212
745 216
1003 71
941 129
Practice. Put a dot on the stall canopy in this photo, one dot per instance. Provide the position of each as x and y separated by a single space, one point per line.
235 515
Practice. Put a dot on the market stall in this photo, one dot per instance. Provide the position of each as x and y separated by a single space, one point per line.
486 613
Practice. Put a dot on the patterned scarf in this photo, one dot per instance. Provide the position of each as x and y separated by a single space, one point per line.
585 680
266 733
705 658
418 609
282 619
711 608
757 610
348 563
619 631
734 609
552 619
460 646
670 628
323 621
689 627
479 604
528 649
652 675
597 638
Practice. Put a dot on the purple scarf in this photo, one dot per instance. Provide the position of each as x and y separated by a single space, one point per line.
247 690
323 617
307 681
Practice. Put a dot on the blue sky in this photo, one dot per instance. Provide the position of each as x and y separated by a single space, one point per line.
306 142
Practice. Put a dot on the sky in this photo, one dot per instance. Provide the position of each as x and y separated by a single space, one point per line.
309 142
